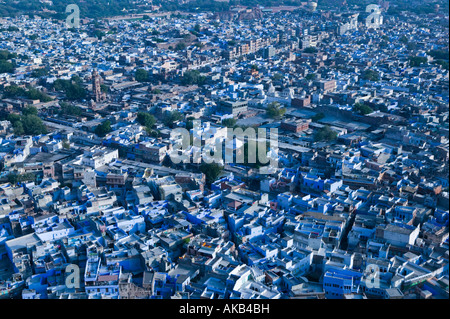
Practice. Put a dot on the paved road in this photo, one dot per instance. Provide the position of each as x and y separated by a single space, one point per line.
62 127
156 168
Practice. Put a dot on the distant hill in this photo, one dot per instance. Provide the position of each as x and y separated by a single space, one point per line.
106 8
56 8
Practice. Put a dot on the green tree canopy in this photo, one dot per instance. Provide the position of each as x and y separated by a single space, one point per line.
371 75
229 122
325 134
417 60
33 125
317 117
362 108
104 128
69 109
191 77
141 75
146 119
29 110
72 88
310 50
211 171
171 117
275 111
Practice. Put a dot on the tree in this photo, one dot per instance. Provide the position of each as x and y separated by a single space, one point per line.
255 163
6 67
13 118
35 94
18 128
191 77
277 77
180 46
325 134
66 144
69 109
13 91
33 125
403 39
72 88
146 119
211 171
417 60
171 118
104 88
6 55
411 46
229 122
99 34
439 54
371 75
362 109
275 111
442 63
28 123
310 76
75 92
141 75
190 123
317 117
29 110
310 50
102 129
37 73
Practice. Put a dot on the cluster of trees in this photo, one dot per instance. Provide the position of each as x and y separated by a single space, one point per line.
147 120
311 50
416 6
10 29
441 57
310 76
439 54
142 75
231 122
317 117
192 77
275 111
362 108
37 73
73 88
417 60
14 91
325 134
15 178
102 129
28 123
370 75
170 118
69 109
211 171
5 65
251 158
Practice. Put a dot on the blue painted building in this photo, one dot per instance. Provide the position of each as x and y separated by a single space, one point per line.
337 282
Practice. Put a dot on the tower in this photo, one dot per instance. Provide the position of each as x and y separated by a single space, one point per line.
97 91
